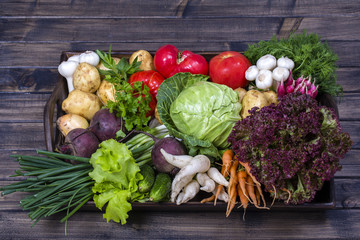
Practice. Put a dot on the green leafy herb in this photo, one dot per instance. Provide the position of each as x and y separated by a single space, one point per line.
311 57
131 101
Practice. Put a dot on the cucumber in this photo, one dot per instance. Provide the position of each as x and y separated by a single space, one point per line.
149 178
161 188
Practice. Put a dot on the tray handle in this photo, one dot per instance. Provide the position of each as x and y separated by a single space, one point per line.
52 106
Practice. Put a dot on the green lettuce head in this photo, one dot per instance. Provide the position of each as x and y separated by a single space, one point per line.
201 113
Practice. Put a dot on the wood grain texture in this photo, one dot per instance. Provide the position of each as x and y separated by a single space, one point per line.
258 225
194 8
145 30
33 34
94 9
22 107
139 30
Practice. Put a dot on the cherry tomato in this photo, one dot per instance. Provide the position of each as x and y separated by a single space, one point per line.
168 61
151 78
229 68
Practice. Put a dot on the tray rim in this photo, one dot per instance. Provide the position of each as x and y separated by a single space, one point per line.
53 137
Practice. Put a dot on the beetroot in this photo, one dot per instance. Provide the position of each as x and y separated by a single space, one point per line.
170 145
105 124
80 142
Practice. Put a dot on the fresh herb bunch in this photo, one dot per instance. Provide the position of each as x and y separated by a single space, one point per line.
311 57
291 148
131 101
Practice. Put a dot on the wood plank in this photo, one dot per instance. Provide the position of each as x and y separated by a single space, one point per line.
333 28
352 157
28 79
338 224
272 8
209 8
250 29
228 29
139 29
25 136
347 192
22 107
349 170
348 106
349 79
77 9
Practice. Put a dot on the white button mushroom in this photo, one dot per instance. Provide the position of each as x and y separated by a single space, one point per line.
67 69
266 62
251 73
264 79
280 74
286 63
89 57
75 58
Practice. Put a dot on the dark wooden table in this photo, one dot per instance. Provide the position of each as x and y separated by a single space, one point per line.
34 33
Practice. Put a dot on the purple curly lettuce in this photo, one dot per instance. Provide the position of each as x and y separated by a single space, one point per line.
292 147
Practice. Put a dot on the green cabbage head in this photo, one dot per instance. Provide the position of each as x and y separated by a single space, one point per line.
207 111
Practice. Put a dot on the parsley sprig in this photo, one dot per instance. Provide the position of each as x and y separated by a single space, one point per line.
131 101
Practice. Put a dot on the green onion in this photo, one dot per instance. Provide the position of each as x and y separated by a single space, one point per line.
55 185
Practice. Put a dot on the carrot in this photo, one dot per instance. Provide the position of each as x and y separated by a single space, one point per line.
232 189
250 187
243 199
209 199
227 159
242 176
241 188
258 185
247 167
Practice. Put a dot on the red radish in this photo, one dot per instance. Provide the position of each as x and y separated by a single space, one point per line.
290 81
299 80
281 91
290 88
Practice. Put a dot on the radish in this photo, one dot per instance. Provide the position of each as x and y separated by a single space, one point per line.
206 183
199 164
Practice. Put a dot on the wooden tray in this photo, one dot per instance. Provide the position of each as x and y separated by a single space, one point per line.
324 199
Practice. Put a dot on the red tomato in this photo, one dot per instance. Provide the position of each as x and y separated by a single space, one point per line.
151 78
229 68
168 61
